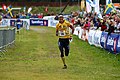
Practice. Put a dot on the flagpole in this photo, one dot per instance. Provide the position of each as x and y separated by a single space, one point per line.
79 4
60 6
106 2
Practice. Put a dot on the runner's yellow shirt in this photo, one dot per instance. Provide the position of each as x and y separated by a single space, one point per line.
64 29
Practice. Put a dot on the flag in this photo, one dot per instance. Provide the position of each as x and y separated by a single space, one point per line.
4 7
91 3
88 7
109 7
46 9
9 10
82 5
29 10
24 9
97 8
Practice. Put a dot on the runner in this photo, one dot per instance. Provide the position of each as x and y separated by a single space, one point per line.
63 32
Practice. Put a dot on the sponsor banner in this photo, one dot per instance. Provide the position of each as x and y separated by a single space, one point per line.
96 40
25 23
52 23
112 43
5 22
103 39
91 37
77 31
51 20
118 45
13 22
85 34
53 17
49 17
80 33
38 22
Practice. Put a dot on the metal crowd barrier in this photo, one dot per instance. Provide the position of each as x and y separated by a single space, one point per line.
7 37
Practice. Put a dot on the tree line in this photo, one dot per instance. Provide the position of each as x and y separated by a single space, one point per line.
101 1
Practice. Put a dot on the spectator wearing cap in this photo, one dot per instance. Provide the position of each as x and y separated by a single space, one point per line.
103 25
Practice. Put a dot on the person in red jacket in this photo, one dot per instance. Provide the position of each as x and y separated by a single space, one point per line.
103 26
86 25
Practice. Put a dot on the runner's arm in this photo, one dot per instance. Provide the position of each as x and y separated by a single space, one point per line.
72 28
57 30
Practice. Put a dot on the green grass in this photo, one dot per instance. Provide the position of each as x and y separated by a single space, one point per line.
69 9
55 10
36 57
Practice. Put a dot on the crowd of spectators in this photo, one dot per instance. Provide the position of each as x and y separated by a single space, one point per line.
109 23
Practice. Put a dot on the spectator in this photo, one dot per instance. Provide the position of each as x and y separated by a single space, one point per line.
111 27
103 26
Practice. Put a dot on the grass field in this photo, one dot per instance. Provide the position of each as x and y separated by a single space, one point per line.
36 57
55 10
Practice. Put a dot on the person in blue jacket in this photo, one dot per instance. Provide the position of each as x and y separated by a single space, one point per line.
18 25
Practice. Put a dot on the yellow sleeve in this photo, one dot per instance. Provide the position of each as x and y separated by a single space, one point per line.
68 23
57 26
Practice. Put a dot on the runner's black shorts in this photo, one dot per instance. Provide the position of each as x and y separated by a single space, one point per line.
18 26
64 46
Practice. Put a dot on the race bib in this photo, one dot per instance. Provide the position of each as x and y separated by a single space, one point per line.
62 33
